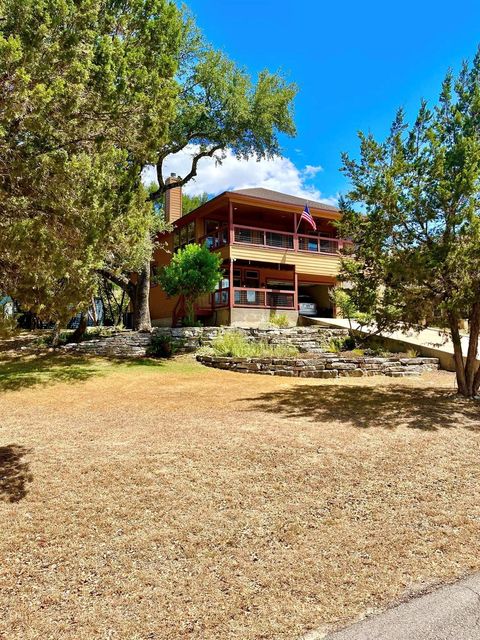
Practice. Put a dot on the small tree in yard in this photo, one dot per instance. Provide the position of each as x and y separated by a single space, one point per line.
193 271
413 213
344 302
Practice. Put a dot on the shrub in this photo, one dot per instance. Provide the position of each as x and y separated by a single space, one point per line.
235 344
192 272
281 321
413 353
335 345
162 347
376 347
358 352
341 344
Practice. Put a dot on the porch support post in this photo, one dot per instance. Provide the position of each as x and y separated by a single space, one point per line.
295 288
230 222
295 231
230 286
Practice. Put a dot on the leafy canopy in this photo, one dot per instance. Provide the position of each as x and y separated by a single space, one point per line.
193 271
86 88
219 107
413 213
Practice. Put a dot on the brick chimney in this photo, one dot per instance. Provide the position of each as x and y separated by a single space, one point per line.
173 200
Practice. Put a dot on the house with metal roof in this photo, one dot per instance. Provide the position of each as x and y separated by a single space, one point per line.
275 260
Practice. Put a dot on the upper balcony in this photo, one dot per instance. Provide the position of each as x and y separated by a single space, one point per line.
267 227
314 243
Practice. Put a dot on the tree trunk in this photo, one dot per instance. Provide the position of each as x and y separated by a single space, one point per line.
56 334
138 293
458 356
80 331
189 311
120 307
472 372
141 306
94 311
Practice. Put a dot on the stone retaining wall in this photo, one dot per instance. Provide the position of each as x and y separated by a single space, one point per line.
132 344
328 365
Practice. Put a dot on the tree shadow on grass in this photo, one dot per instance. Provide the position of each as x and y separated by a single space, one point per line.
14 473
367 407
23 372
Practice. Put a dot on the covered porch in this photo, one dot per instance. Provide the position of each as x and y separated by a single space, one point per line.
253 291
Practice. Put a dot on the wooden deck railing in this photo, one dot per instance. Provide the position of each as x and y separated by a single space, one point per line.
263 298
286 240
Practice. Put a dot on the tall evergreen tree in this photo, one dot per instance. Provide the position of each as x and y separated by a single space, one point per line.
413 212
86 87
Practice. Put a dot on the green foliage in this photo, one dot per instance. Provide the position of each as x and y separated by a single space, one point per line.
86 91
192 272
235 344
220 108
279 320
8 323
376 347
162 347
413 353
341 344
358 352
189 203
413 214
346 304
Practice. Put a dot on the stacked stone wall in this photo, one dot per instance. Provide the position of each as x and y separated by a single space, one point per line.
328 365
133 344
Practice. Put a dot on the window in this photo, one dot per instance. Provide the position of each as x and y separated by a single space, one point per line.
183 236
222 291
176 240
251 278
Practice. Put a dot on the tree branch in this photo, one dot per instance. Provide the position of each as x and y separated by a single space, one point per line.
120 280
163 187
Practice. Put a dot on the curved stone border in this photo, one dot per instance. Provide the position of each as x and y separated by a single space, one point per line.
328 365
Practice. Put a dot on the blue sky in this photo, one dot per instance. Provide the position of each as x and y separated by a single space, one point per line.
354 64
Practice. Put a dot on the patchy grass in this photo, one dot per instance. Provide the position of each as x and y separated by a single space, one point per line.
237 345
155 500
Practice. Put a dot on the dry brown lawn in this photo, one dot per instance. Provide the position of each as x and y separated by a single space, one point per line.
172 501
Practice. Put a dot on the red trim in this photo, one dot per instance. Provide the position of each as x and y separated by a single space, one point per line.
230 222
230 284
296 236
265 292
295 287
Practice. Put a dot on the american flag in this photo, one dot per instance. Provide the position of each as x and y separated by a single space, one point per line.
307 216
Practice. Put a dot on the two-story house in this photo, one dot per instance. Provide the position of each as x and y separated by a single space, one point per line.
272 259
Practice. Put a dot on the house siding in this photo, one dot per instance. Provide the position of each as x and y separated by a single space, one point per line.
315 264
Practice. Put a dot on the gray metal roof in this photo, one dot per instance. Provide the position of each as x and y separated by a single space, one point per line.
276 196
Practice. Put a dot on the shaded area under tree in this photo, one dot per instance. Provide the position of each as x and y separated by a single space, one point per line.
365 407
14 473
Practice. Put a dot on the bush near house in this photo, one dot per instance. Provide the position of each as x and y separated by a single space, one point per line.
192 272
234 344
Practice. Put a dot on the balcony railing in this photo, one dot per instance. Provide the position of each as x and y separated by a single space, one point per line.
286 240
263 298
215 239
